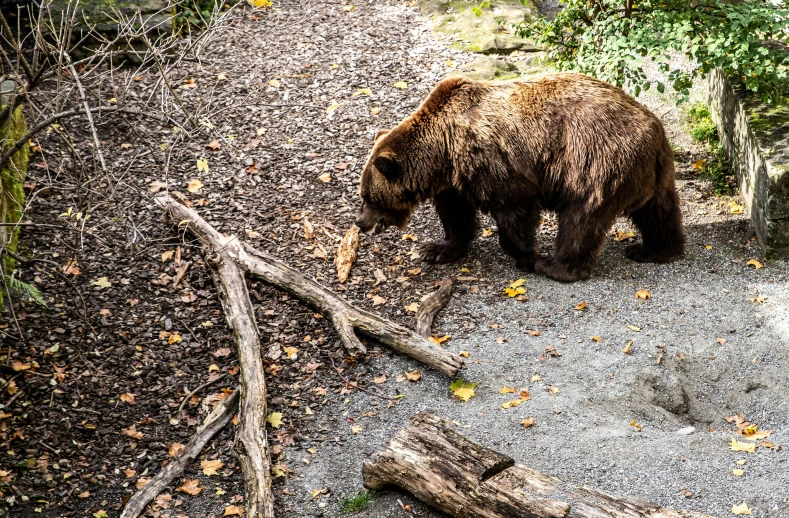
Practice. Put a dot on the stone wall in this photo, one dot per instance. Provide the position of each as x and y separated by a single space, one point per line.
755 137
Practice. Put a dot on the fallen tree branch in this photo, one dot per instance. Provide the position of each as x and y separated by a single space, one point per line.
195 391
215 421
432 305
347 319
461 478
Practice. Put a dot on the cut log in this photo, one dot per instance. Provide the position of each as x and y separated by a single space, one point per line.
461 478
215 421
432 305
346 318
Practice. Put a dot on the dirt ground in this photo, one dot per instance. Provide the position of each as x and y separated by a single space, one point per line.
711 341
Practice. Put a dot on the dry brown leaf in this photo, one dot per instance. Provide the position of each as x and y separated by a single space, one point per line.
174 449
643 295
346 254
528 422
210 467
132 432
413 376
379 379
233 510
629 344
190 487
128 397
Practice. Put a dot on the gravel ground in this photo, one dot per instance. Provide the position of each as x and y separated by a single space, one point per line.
707 348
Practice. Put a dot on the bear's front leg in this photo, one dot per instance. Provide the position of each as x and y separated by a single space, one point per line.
459 219
517 227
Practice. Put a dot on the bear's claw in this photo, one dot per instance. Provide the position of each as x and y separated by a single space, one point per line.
442 252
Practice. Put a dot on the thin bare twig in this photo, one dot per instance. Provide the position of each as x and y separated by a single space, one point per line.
356 385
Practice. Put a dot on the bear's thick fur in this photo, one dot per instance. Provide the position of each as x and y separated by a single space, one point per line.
563 142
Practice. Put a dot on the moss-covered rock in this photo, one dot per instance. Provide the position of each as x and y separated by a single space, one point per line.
101 13
12 179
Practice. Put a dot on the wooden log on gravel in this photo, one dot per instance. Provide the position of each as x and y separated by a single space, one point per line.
347 319
461 478
215 421
432 305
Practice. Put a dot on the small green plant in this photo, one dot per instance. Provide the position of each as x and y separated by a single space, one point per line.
717 170
27 290
357 502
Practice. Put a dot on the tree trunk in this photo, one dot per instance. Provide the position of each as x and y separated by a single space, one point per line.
463 479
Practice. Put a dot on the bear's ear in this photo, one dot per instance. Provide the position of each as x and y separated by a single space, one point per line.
380 133
387 166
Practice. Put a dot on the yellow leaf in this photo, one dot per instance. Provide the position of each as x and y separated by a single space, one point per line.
325 178
333 107
511 404
363 91
221 77
514 292
274 419
413 307
210 467
174 338
643 295
375 110
753 262
101 283
355 429
622 236
464 354
409 237
237 510
190 487
740 462
627 347
633 328
595 338
535 378
634 424
402 85
741 509
438 340
554 390
758 300
738 472
742 446
487 232
348 8
506 390
202 166
166 256
450 63
698 165
736 208
292 352
274 83
463 390
581 306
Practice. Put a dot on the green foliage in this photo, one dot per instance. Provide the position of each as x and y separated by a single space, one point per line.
478 10
611 39
27 290
357 502
196 13
717 170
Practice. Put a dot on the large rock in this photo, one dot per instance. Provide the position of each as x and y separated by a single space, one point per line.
101 14
12 179
755 136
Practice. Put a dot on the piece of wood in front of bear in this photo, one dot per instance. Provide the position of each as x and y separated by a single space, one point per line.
561 142
442 468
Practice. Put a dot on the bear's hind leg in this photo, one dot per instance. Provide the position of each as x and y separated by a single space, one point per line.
578 244
517 229
459 219
662 235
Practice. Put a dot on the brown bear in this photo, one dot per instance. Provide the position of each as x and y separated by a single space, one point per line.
563 142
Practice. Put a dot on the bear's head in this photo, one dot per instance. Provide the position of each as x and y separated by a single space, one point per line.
386 199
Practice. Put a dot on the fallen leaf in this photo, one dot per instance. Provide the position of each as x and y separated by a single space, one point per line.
463 390
464 354
721 341
375 110
627 347
535 378
413 307
402 85
210 467
362 91
528 422
622 236
741 509
101 283
736 208
634 328
190 487
515 288
174 449
274 83
758 300
581 306
487 232
740 462
274 419
379 379
129 473
742 446
738 472
132 432
753 262
128 397
635 425
378 300
595 339
698 165
506 390
346 254
554 390
332 107
355 429
292 352
174 338
194 185
643 295
213 145
534 333
202 166
511 403
233 510
438 340
413 376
